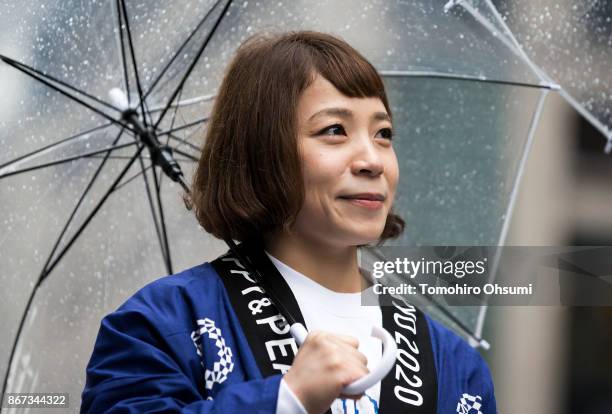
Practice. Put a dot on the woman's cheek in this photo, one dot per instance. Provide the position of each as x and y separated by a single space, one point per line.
393 173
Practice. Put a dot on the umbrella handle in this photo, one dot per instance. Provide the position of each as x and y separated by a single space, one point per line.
359 386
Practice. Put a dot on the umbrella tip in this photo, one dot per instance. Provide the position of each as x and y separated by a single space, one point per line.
608 148
479 343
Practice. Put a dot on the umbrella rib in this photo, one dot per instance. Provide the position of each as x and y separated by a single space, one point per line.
51 146
193 63
72 97
512 43
158 184
185 142
438 306
185 154
185 126
186 102
160 207
178 98
125 157
46 271
151 205
122 50
92 214
148 113
132 178
26 69
439 75
453 318
80 201
107 150
133 57
180 49
513 199
606 131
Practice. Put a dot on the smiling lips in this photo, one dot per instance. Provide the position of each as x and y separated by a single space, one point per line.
372 201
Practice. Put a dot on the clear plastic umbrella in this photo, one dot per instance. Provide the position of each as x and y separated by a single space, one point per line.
457 80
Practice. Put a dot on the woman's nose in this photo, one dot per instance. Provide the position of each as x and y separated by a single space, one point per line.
367 160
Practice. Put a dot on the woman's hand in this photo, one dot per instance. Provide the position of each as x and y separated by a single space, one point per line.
324 364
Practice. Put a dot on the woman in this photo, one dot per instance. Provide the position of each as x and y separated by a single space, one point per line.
299 166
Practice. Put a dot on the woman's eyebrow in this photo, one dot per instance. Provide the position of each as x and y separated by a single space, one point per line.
347 113
381 116
339 112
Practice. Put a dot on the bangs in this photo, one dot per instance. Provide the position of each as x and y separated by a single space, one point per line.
345 68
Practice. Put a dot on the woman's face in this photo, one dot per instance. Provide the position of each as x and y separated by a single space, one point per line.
349 166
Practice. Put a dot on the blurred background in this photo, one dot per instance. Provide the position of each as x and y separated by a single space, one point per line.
557 359
549 359
491 152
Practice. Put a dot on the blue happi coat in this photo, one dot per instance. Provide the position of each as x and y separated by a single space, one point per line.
177 346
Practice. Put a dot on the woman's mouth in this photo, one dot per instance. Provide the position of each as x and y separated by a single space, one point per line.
371 201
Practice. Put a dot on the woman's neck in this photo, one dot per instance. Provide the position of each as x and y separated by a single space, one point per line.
335 268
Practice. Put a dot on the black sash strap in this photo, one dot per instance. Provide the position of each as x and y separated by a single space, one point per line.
410 386
265 328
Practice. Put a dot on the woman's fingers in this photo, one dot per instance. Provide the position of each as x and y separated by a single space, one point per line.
325 364
350 340
317 335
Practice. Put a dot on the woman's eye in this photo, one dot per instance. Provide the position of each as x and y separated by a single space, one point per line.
336 129
386 133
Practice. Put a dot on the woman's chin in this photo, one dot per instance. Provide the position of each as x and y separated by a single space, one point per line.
364 236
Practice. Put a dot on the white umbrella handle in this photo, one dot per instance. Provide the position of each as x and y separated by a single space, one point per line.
359 386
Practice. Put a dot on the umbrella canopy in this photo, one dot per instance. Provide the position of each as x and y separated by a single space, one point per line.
465 106
571 43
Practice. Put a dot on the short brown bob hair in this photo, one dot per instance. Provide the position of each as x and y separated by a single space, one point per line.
248 181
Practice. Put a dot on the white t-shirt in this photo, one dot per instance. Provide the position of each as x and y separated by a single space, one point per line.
340 313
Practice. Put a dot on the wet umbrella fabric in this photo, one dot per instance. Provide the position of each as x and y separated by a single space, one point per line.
456 90
571 45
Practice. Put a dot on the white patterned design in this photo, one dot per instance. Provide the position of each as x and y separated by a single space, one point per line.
224 365
469 404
